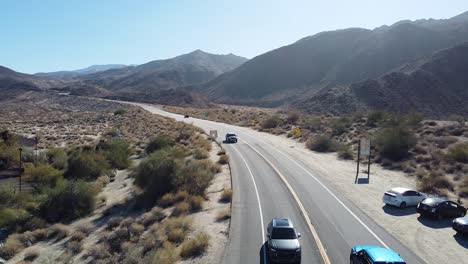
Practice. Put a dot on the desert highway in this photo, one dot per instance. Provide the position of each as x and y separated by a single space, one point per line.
270 180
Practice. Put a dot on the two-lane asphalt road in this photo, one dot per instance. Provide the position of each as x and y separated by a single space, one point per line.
270 180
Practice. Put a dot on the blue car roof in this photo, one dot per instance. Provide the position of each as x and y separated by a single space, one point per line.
379 254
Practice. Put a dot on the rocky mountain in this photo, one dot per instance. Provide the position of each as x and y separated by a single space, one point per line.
156 81
435 85
13 83
76 73
331 59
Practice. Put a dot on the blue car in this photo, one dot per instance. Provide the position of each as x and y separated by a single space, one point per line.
364 254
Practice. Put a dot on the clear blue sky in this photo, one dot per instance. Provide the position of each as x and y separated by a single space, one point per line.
52 35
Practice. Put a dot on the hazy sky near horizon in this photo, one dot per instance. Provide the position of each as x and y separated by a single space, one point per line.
52 35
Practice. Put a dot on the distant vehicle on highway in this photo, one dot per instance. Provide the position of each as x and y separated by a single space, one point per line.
186 116
231 138
283 244
365 254
440 208
461 225
402 197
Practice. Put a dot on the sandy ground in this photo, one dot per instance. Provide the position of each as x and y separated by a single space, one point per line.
206 219
433 241
53 252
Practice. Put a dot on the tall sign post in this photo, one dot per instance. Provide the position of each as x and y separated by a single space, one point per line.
364 149
213 134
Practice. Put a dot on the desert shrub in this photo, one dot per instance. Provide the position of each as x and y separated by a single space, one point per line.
68 201
117 153
394 142
181 208
321 143
155 215
193 177
223 215
77 236
434 182
167 254
377 117
31 254
223 159
200 153
340 125
136 229
11 247
87 165
195 246
413 119
167 200
99 252
57 232
271 122
293 117
159 142
114 222
312 123
176 228
44 175
120 111
226 196
57 157
155 173
195 202
345 152
74 246
458 152
117 237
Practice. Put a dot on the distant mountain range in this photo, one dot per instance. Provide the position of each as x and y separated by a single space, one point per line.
408 66
329 59
76 73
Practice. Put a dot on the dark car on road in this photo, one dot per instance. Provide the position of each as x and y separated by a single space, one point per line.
231 138
283 242
440 208
461 225
186 116
365 254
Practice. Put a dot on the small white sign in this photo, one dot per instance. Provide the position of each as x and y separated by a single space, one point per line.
213 134
365 147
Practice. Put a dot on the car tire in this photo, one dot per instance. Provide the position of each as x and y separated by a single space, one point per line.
403 205
462 214
439 217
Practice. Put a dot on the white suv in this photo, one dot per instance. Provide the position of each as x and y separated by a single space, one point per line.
402 197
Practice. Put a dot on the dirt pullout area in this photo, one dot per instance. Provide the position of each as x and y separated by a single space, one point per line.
427 238
206 220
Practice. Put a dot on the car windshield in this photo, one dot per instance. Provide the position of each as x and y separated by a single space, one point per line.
283 233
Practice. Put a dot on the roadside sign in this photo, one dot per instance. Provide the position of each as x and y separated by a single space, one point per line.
365 147
297 131
213 134
252 123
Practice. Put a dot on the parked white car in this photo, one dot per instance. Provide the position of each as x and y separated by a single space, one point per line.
402 197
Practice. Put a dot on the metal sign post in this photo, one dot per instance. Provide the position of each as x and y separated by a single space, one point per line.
364 149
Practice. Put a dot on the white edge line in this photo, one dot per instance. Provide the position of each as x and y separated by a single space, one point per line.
258 200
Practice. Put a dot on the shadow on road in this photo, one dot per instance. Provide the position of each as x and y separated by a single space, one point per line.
262 253
461 239
433 223
396 211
